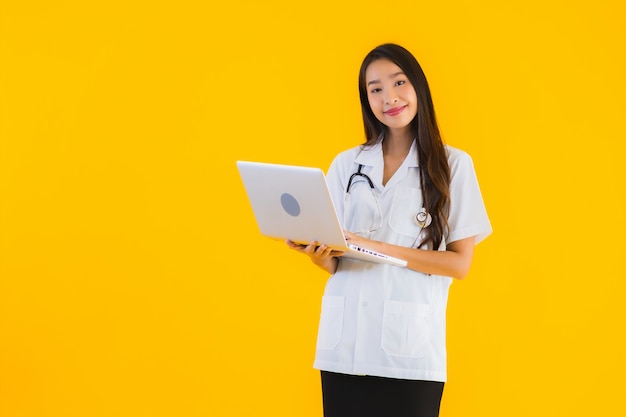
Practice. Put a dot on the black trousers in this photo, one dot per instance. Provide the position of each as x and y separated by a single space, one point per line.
370 396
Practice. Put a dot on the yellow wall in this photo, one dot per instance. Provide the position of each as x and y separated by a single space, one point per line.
133 280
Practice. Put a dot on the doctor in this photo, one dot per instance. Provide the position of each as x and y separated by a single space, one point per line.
381 341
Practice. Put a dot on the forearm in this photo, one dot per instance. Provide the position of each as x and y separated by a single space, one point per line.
454 262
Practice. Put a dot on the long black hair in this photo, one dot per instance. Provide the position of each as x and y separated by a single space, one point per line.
431 152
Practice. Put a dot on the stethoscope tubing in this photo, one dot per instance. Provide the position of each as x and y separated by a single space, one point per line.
422 219
358 173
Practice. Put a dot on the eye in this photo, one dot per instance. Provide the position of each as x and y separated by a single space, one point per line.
400 82
375 90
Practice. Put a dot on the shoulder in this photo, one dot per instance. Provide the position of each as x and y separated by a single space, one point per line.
349 154
458 159
456 154
346 158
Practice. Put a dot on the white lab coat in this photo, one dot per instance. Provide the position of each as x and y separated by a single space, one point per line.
379 319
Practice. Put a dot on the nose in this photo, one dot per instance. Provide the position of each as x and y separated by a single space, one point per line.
390 99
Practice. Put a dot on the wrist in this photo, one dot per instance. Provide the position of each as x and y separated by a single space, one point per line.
329 266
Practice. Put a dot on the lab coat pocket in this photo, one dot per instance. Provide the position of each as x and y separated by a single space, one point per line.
331 322
406 329
407 201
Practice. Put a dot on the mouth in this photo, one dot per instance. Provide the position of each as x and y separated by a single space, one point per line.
394 111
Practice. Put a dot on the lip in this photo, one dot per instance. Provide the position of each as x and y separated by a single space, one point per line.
394 111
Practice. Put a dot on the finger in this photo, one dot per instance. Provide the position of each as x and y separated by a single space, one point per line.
321 249
293 245
311 247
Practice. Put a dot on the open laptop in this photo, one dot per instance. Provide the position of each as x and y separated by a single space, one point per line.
294 202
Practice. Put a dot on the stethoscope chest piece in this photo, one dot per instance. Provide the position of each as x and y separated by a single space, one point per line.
423 218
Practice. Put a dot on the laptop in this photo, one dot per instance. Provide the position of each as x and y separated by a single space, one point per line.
294 202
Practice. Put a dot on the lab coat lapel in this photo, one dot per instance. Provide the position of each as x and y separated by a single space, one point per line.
373 157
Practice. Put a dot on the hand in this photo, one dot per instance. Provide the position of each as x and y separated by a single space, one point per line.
320 254
358 240
314 250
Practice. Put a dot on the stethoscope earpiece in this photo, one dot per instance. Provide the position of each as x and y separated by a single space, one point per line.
423 218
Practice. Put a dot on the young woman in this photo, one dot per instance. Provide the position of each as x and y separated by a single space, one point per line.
381 342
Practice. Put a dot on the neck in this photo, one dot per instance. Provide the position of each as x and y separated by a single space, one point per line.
396 144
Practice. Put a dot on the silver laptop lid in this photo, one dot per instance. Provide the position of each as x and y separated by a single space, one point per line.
292 202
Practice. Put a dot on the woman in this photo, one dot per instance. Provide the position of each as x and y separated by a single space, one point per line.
381 341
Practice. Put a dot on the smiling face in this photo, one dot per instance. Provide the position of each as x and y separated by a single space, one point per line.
390 94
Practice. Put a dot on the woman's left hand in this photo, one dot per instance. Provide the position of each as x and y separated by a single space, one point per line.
358 240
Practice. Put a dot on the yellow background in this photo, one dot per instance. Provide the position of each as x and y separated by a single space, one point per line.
133 279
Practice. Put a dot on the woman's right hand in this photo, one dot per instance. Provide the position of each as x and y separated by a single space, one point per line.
320 254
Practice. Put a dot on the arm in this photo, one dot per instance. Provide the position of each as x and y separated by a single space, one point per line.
454 262
322 256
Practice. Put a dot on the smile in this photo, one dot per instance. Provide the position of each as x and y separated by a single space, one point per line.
394 111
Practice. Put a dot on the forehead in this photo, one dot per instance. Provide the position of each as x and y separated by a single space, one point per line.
381 69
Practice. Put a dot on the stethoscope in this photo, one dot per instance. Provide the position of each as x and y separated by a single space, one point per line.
422 218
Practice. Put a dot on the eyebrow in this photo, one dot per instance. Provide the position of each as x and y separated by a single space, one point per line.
391 76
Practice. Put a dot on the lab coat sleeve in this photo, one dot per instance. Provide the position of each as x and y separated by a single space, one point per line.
467 216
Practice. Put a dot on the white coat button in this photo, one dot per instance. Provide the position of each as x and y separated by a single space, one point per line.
368 266
363 303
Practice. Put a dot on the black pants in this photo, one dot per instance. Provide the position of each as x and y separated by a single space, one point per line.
370 396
